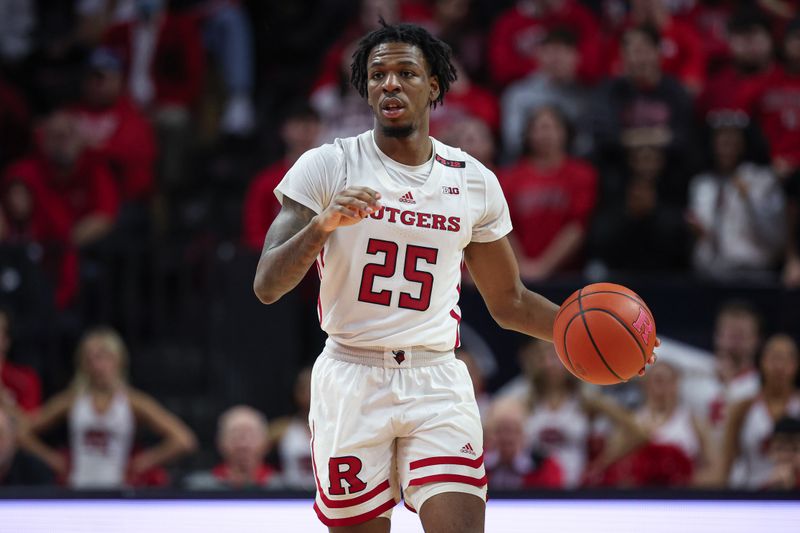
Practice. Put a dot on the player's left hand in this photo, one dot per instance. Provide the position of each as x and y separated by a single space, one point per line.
652 359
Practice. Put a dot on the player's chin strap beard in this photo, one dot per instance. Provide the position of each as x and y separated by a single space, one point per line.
398 132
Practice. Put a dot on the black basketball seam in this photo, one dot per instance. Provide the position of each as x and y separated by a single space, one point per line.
591 338
624 325
566 348
639 301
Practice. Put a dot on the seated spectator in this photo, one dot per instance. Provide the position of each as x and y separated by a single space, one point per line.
682 52
737 208
518 32
293 436
242 442
784 453
750 44
736 340
752 421
102 413
18 468
465 99
114 129
672 426
299 133
509 465
628 234
456 23
642 102
562 420
776 106
165 61
550 197
555 83
20 385
474 137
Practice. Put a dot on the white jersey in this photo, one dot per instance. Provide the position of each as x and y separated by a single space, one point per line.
754 441
392 281
563 434
100 442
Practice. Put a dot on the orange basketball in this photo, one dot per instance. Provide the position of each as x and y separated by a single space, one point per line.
604 333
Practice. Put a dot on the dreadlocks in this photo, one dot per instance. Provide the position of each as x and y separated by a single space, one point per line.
437 53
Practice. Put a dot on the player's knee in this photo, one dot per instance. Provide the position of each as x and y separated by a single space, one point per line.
452 512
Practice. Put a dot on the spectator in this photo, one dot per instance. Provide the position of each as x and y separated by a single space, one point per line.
776 106
550 197
299 132
562 419
736 341
17 468
750 44
682 51
474 137
293 436
737 209
752 421
508 464
672 427
784 453
454 22
163 53
641 103
465 99
629 234
102 413
17 27
242 442
114 129
19 385
518 32
555 83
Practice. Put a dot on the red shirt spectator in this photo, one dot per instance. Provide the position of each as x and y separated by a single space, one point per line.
542 201
260 204
176 66
114 129
465 99
518 31
777 109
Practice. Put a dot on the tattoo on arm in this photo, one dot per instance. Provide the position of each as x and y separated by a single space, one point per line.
291 246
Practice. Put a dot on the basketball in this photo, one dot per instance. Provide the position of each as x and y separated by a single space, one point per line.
604 333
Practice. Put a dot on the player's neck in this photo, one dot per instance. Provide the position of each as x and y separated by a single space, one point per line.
412 150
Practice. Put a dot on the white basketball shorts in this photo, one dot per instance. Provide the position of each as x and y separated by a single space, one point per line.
382 422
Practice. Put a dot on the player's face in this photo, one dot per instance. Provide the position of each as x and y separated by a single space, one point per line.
400 88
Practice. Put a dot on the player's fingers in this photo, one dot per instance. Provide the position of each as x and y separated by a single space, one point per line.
367 190
347 212
358 205
652 360
658 342
362 195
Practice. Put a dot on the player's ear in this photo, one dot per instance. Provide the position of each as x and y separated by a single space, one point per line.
434 88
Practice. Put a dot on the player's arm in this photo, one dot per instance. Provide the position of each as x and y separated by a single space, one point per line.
51 413
298 234
730 444
494 268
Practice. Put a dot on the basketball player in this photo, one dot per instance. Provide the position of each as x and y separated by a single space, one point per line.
388 216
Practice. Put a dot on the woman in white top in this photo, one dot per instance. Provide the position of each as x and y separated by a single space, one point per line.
670 424
102 413
752 421
562 418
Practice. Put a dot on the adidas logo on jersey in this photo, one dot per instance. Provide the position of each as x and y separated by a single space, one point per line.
467 448
407 198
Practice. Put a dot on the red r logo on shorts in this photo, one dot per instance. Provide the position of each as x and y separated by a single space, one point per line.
643 325
352 466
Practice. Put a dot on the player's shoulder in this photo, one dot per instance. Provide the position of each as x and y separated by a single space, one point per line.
453 157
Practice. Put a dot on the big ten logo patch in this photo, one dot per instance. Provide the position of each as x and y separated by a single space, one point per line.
344 469
643 325
453 191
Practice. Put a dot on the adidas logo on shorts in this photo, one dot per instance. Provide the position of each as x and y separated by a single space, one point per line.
467 448
407 198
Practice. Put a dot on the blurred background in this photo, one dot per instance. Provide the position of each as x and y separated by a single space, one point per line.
653 143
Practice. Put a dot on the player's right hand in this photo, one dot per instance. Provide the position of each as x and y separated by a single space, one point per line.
349 207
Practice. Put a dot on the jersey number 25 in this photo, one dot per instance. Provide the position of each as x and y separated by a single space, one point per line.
387 270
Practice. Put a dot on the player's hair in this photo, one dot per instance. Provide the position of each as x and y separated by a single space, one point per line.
437 54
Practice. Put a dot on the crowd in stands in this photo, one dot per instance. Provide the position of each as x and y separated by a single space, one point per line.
629 136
